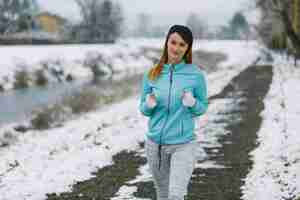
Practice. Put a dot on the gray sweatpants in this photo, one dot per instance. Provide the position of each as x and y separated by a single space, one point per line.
177 165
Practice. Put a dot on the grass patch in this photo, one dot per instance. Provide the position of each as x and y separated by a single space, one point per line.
50 116
87 99
84 101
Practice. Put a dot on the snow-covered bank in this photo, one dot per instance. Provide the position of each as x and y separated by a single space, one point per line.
51 161
68 60
276 170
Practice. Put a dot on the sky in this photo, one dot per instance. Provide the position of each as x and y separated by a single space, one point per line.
213 12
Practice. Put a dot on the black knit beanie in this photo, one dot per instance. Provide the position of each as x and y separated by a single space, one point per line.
183 31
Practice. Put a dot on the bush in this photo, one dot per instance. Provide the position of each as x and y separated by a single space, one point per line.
98 64
84 101
7 138
125 92
41 79
54 67
1 88
50 116
69 77
87 99
42 120
107 99
21 79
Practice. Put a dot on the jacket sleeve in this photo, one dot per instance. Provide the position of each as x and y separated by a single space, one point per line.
145 89
200 93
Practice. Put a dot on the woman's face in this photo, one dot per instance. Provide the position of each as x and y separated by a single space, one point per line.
176 48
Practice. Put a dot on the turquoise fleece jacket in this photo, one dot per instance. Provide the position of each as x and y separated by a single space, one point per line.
170 122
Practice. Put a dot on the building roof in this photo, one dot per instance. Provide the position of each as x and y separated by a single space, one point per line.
46 13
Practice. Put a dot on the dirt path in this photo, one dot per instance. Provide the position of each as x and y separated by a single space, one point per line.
242 103
242 122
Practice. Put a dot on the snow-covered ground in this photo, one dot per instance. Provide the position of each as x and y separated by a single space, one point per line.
69 59
41 162
276 171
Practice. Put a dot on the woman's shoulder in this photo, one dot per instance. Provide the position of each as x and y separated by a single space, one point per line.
196 68
147 71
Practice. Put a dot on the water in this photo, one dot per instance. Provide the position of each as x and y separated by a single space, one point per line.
17 105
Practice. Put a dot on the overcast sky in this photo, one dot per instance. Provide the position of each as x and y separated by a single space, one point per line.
163 12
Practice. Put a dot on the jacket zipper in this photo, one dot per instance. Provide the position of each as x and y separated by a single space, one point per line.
168 112
169 98
182 128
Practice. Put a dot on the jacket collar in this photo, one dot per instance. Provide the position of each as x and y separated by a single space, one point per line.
176 66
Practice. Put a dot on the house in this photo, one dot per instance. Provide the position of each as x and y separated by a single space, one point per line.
50 23
43 27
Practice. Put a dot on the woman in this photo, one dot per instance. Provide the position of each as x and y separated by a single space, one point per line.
173 93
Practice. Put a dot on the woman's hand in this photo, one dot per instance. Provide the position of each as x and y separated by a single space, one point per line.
188 99
203 120
151 100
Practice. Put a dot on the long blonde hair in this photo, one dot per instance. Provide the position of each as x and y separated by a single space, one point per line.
156 69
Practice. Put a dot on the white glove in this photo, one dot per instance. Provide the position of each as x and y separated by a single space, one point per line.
188 99
203 121
151 100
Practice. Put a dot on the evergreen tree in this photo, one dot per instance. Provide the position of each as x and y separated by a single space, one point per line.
197 25
15 15
239 25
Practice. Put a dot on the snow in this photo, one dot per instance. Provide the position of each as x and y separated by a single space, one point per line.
67 58
276 171
55 158
52 160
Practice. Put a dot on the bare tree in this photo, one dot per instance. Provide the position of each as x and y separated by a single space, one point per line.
144 25
197 25
101 20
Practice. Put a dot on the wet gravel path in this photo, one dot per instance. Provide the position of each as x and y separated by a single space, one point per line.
242 122
239 106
